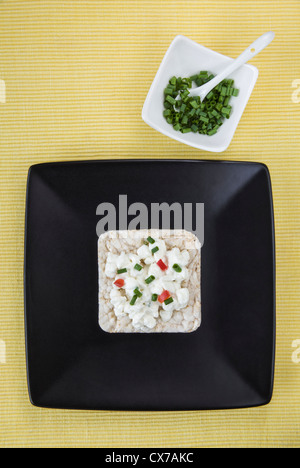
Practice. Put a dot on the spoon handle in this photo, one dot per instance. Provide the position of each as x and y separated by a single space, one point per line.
256 47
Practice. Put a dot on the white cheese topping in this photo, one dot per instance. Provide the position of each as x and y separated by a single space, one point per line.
144 311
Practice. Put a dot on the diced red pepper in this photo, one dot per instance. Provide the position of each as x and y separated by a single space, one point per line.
162 265
164 295
119 283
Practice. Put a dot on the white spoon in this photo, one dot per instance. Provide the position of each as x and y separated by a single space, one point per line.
250 52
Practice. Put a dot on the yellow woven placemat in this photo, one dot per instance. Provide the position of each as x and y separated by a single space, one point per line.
76 76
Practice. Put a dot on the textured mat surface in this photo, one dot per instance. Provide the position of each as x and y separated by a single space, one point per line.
74 78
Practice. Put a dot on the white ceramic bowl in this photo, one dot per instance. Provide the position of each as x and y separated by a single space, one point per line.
185 58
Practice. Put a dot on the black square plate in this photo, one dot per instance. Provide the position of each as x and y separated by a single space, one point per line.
228 362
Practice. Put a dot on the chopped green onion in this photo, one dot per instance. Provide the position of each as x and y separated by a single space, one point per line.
188 114
167 112
150 240
155 249
225 110
177 268
169 91
138 267
123 270
133 300
168 301
171 100
194 104
154 297
184 119
204 119
137 292
149 279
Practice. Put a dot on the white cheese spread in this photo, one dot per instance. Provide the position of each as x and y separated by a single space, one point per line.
150 291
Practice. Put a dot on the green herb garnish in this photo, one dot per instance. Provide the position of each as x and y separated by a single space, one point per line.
149 279
137 292
188 114
123 270
177 268
134 298
168 301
